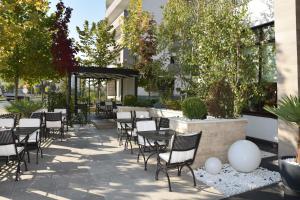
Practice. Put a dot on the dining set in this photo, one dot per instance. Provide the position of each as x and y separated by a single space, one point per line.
19 136
155 139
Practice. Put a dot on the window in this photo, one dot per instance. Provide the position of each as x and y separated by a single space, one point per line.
264 53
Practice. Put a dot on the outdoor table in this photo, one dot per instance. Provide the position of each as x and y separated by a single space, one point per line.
156 136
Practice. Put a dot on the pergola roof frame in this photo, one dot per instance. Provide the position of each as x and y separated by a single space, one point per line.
106 73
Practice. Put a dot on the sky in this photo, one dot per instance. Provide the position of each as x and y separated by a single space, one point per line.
91 10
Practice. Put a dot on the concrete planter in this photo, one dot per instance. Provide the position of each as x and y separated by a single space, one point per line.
154 112
217 136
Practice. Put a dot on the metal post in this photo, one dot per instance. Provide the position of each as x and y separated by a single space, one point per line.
122 92
136 86
76 95
115 90
89 101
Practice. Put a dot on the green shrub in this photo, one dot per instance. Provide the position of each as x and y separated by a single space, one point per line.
144 103
172 104
24 107
220 101
130 100
194 108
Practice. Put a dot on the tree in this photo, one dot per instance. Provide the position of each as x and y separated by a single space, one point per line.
63 50
97 45
25 41
140 37
175 38
211 42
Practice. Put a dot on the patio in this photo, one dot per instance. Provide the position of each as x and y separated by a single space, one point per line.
89 164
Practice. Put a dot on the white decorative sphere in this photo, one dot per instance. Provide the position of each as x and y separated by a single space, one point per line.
213 165
244 156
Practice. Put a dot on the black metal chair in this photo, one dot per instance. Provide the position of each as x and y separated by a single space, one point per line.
9 148
34 139
121 127
41 116
164 124
183 152
144 144
54 123
16 117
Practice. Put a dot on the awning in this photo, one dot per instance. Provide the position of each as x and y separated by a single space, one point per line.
106 73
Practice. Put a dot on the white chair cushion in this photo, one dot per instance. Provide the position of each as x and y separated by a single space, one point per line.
29 123
7 123
148 125
54 124
178 156
142 114
123 115
9 150
33 137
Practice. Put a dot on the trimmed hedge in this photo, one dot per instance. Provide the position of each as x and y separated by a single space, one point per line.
194 108
130 100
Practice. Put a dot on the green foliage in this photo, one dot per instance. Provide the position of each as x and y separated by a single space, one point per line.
130 100
58 100
97 44
288 110
144 103
24 107
25 42
194 108
140 37
211 41
172 104
220 100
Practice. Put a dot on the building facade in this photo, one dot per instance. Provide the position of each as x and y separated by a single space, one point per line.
116 10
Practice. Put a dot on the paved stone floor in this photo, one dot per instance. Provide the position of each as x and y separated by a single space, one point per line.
89 164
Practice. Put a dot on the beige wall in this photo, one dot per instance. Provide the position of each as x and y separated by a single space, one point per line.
287 46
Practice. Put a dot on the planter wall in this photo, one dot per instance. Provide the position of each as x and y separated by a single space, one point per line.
217 136
263 128
154 112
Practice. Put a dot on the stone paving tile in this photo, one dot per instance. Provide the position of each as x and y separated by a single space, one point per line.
90 164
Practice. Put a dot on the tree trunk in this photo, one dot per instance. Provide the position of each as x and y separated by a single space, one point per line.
298 148
16 87
68 96
42 91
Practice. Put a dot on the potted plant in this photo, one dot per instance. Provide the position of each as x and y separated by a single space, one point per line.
289 110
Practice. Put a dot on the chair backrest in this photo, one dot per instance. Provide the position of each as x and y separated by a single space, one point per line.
37 115
7 116
164 123
7 143
142 114
53 116
124 115
29 122
7 123
147 125
184 148
62 110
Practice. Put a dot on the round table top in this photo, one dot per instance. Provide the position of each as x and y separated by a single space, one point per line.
156 135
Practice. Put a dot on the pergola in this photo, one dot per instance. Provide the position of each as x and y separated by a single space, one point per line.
108 74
